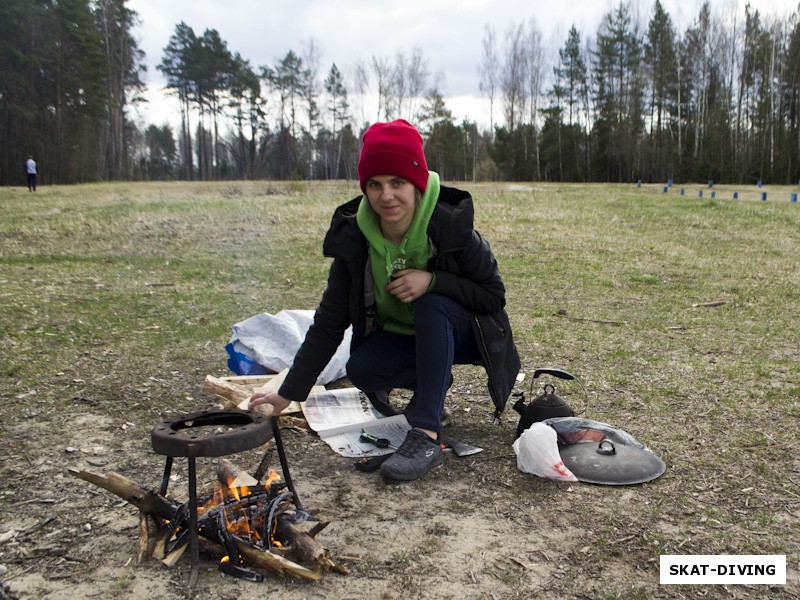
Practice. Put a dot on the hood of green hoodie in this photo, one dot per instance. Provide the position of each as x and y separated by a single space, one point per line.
386 258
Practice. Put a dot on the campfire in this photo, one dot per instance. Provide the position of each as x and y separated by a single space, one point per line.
255 520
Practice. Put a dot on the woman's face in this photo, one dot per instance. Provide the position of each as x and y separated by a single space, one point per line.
393 199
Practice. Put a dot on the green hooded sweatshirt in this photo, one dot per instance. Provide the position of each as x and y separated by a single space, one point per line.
387 258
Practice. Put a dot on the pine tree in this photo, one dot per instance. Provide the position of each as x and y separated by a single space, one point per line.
660 59
338 107
124 67
618 96
176 67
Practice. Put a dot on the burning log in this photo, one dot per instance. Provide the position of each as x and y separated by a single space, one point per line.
265 511
232 476
305 548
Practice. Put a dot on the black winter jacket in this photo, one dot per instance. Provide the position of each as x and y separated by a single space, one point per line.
465 269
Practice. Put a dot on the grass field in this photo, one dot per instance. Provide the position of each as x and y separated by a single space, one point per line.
680 315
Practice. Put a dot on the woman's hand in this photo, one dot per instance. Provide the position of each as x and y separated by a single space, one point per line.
409 284
268 402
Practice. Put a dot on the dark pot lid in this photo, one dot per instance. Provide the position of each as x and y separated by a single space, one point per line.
611 464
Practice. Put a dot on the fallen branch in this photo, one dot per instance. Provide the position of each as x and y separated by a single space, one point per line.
564 315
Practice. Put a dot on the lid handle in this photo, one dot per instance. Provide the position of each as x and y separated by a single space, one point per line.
606 448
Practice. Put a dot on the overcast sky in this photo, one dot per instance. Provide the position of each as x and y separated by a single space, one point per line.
449 32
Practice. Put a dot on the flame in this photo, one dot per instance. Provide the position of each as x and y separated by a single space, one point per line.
271 478
235 517
238 492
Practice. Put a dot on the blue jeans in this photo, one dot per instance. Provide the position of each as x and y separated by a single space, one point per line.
422 362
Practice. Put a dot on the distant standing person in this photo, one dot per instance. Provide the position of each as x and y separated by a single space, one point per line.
30 169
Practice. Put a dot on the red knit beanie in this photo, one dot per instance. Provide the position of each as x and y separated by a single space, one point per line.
393 148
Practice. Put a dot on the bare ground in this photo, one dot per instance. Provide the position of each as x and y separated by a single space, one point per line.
475 528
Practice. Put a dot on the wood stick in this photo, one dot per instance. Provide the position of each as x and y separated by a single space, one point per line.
277 564
232 394
566 316
172 558
263 466
249 380
144 537
151 502
710 304
317 528
162 538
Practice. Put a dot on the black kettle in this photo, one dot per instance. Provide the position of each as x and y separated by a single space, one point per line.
544 406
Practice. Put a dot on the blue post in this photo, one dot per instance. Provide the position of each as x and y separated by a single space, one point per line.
764 196
639 183
759 183
713 195
735 195
669 183
710 183
700 194
665 189
683 191
794 197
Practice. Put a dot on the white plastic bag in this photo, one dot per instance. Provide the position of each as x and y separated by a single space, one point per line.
272 341
537 453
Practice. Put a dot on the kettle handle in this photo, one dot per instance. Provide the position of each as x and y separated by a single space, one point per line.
554 372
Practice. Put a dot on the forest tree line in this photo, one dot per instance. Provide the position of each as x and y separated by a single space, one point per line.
631 101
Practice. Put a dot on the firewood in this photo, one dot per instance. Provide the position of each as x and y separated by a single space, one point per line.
148 530
229 475
304 547
158 549
317 528
144 536
235 392
272 385
272 562
174 554
151 502
263 466
232 394
235 395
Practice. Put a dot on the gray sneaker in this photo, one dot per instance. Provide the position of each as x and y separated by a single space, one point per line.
416 456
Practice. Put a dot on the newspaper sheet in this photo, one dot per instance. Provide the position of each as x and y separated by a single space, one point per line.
340 417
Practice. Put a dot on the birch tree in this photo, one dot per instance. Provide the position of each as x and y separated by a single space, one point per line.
489 72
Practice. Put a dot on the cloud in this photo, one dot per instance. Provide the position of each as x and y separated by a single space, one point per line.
449 32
